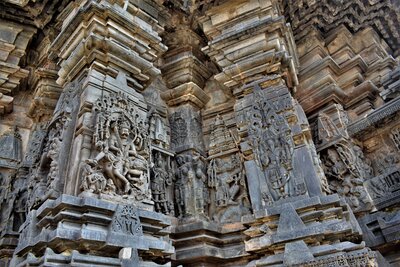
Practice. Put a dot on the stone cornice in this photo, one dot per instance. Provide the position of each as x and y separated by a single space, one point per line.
374 117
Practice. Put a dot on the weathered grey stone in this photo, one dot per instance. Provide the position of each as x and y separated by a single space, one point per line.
199 133
297 253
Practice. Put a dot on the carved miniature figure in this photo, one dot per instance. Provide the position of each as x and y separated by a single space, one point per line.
161 179
226 176
199 184
327 130
93 181
342 167
181 185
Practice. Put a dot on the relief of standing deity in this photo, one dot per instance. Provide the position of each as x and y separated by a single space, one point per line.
161 182
273 148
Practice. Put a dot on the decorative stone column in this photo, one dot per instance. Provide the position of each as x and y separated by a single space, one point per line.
185 73
96 151
255 50
14 40
259 70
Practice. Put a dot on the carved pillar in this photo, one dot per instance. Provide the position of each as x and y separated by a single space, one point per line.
258 63
106 62
185 73
255 50
97 144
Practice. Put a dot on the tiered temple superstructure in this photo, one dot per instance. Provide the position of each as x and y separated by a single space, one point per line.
199 133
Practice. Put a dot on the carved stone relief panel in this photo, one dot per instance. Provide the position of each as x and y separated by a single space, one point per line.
13 201
119 165
229 199
44 178
35 144
275 143
385 188
346 169
11 149
126 221
51 144
330 124
161 177
227 181
383 183
190 185
395 136
273 146
186 129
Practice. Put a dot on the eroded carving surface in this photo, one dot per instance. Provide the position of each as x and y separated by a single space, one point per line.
199 133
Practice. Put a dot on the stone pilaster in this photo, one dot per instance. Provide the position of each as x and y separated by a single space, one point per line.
12 192
255 50
258 70
185 73
97 145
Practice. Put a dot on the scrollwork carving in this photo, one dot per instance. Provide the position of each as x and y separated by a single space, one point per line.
179 130
126 221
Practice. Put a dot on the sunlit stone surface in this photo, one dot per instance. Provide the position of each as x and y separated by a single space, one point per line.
199 133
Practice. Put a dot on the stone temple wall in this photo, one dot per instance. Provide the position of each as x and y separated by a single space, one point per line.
199 133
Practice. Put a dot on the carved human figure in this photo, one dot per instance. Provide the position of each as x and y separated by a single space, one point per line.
342 168
110 188
53 154
326 128
19 209
279 182
199 184
160 180
119 158
226 177
363 162
93 181
181 181
385 161
273 147
227 182
36 190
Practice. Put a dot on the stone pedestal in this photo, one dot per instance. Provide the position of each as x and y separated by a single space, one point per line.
121 234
